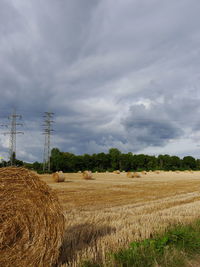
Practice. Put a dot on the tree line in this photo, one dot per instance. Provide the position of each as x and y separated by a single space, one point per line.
113 160
116 160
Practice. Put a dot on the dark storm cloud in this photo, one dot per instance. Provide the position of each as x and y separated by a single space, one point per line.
149 127
116 73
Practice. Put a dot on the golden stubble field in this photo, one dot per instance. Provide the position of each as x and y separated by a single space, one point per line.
108 212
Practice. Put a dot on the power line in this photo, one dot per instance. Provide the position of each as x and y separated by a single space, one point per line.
47 142
13 134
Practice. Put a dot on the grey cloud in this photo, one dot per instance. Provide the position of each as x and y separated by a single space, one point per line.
94 63
149 127
10 19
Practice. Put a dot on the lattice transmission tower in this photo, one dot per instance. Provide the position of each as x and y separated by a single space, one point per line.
12 126
47 131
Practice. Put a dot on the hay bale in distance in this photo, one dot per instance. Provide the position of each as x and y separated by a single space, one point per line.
87 175
144 172
31 220
130 175
133 175
117 172
58 177
136 175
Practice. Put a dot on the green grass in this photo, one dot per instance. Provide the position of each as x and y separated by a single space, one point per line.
173 248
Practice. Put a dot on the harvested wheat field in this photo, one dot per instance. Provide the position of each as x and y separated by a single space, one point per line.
108 212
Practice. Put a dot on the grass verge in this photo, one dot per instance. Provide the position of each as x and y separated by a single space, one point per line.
173 248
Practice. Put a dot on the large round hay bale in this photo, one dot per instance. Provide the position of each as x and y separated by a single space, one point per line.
144 172
87 175
58 177
31 220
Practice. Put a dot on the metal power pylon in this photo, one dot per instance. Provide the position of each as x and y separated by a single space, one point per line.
47 141
13 133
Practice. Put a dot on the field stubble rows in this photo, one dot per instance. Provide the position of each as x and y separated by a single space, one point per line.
109 212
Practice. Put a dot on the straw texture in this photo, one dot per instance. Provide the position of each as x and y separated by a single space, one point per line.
31 220
58 177
87 175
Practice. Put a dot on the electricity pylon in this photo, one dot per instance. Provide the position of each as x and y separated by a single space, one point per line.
13 134
47 141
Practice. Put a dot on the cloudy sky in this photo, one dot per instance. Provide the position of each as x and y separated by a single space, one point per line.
116 73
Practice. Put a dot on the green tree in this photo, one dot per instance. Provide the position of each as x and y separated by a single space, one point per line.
189 162
125 161
56 160
101 161
175 163
88 162
37 166
114 158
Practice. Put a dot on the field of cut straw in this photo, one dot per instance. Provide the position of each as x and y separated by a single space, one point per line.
112 210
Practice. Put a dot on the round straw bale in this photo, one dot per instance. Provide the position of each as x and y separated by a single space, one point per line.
87 175
136 175
31 220
117 172
144 172
58 177
157 172
129 175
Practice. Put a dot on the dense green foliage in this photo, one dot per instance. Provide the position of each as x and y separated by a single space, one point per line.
16 162
115 160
